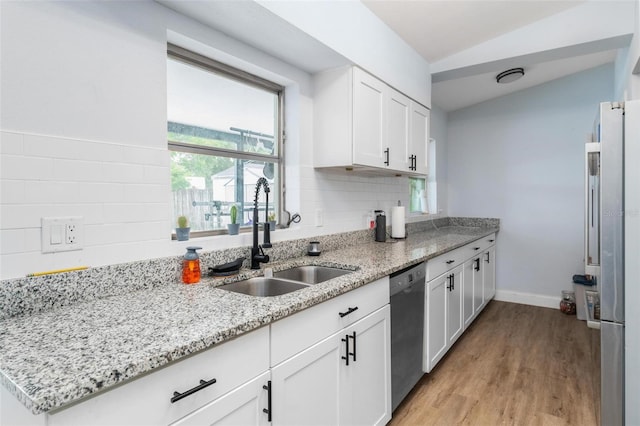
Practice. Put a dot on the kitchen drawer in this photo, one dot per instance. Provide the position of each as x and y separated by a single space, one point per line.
441 264
478 247
147 400
297 332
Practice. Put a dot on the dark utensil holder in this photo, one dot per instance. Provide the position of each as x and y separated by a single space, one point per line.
381 228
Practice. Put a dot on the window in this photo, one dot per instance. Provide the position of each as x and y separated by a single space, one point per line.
423 191
224 129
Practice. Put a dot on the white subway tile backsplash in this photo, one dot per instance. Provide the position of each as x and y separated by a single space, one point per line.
25 168
157 174
12 191
97 192
148 156
78 170
11 143
49 192
152 193
12 241
123 173
18 216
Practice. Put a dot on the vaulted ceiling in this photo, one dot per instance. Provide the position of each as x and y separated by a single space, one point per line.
466 42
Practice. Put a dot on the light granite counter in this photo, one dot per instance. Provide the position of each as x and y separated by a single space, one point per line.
50 358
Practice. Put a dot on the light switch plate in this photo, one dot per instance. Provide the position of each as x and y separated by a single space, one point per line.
62 234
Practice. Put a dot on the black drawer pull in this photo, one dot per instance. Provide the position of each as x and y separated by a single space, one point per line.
449 262
267 410
476 248
491 241
177 396
344 314
477 262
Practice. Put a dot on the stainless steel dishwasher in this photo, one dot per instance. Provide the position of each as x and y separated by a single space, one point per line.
406 289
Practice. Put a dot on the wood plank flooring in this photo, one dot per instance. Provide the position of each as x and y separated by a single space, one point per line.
515 365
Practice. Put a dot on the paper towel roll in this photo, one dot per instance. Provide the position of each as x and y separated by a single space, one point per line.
397 222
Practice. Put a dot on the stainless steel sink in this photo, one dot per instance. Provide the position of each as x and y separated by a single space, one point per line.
264 287
311 274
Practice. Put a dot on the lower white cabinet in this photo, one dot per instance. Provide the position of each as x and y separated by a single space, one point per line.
464 285
343 379
489 274
444 315
152 399
247 405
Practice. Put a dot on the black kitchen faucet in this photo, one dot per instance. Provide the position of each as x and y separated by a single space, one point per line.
257 254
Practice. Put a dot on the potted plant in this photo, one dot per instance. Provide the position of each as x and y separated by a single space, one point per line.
272 221
183 229
233 227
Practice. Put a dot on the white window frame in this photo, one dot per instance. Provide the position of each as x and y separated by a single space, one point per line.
188 57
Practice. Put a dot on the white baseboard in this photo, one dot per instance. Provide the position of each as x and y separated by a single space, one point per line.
528 299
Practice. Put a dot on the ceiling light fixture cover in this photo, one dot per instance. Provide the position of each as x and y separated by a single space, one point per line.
509 76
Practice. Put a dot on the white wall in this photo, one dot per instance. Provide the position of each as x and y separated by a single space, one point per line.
355 32
439 133
627 71
520 158
83 126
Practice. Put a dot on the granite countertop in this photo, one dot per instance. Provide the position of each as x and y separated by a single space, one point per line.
52 358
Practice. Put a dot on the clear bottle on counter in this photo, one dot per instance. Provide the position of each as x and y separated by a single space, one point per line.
191 266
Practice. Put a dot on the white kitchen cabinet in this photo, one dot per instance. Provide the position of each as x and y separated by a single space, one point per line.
489 274
398 131
241 407
444 323
472 289
419 138
360 123
367 379
344 379
369 120
306 388
147 400
459 285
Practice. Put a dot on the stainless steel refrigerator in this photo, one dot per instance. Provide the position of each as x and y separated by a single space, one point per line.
604 248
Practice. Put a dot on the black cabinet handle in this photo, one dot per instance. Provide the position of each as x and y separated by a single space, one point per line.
488 260
177 396
453 282
477 262
450 285
386 152
491 241
476 248
413 162
449 262
347 353
344 314
267 410
354 346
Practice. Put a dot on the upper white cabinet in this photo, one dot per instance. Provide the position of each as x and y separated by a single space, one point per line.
362 123
369 115
419 137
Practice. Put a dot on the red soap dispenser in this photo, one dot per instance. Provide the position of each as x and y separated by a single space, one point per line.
191 266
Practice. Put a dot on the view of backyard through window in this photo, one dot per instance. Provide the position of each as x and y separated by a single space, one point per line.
222 133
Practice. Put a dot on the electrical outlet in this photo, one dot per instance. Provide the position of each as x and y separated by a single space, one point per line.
71 233
62 234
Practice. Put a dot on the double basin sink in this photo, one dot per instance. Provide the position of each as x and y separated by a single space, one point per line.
285 281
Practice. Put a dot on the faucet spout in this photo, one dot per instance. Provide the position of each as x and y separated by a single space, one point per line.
257 254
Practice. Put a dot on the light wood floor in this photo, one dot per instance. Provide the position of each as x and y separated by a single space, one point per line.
515 365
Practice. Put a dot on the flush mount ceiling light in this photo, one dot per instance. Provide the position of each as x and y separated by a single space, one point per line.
510 76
